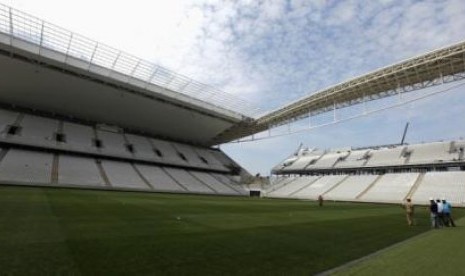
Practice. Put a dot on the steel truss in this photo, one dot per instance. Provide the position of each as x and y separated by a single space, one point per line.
435 68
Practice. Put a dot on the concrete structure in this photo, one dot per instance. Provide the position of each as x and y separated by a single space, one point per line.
132 124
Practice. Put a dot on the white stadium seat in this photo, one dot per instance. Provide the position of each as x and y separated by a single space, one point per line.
79 136
386 157
355 159
449 185
113 143
392 188
351 187
26 167
328 160
37 130
290 188
320 186
7 118
123 175
81 171
188 181
431 153
214 183
159 179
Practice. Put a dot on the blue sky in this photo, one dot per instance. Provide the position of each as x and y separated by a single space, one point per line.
273 52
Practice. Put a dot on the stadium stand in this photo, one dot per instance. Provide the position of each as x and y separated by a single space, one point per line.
295 185
214 183
189 182
230 182
94 169
458 145
320 186
432 153
81 171
387 174
94 119
209 158
328 160
142 147
386 157
277 182
304 159
400 156
75 137
356 158
166 151
224 159
351 187
158 179
112 143
78 137
122 175
7 119
190 156
390 188
26 167
37 130
449 185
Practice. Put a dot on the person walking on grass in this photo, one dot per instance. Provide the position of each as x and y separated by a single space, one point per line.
409 210
446 210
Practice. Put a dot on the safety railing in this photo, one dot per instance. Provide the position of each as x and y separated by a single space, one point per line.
20 25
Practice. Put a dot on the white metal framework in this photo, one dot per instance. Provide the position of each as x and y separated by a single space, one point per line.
434 68
17 25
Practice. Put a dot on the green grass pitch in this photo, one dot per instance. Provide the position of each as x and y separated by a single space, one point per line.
66 231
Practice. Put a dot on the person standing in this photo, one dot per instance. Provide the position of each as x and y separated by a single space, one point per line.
320 200
447 210
433 208
409 209
440 217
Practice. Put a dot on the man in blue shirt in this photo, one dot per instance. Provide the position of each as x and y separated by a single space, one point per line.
447 209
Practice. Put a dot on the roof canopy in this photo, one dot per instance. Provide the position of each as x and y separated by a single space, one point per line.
430 69
48 68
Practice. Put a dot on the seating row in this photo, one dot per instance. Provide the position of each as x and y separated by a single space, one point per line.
428 153
27 167
387 188
26 129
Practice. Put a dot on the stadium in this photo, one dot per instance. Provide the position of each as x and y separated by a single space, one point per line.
111 164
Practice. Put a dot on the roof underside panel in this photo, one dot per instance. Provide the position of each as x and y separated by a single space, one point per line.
29 85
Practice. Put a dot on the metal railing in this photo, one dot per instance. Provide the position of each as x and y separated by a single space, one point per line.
20 25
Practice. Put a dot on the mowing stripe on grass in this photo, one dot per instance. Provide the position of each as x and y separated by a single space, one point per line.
370 256
436 252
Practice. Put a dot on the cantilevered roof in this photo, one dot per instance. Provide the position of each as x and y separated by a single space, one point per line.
48 68
45 67
433 68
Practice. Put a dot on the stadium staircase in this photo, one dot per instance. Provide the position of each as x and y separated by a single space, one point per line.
368 188
102 172
305 186
415 186
337 185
